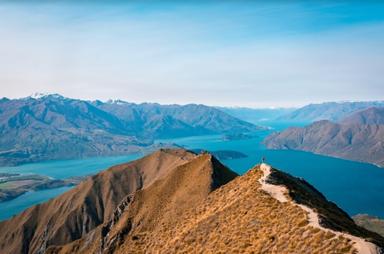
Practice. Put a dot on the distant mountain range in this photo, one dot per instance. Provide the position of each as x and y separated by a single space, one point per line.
162 121
175 201
257 115
333 111
359 136
370 116
54 127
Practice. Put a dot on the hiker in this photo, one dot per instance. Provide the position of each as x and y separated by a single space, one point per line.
263 159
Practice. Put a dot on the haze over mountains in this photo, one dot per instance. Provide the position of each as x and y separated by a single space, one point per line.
176 201
54 127
257 115
359 136
333 111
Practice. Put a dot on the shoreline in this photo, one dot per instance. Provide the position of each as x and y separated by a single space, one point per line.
21 184
327 155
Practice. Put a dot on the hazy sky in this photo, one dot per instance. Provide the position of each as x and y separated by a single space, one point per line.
284 53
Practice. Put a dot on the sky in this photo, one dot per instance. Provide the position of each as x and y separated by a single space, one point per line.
228 53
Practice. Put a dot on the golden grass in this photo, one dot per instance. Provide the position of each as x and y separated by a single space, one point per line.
238 218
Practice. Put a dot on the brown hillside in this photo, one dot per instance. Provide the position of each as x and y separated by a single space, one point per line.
78 211
180 214
179 202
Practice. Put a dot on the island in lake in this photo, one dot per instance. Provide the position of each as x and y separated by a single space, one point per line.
237 136
372 223
223 154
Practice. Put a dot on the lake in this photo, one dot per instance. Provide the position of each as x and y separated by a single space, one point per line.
59 170
353 186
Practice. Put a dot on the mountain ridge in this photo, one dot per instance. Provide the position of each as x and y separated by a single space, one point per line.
357 137
333 111
88 204
178 201
54 127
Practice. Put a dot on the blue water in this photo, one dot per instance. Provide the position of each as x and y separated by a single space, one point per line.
355 187
17 205
61 169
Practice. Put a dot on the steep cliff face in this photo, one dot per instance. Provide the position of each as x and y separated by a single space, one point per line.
358 137
183 202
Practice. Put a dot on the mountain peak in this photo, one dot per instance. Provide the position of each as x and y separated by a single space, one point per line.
116 101
38 95
93 203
